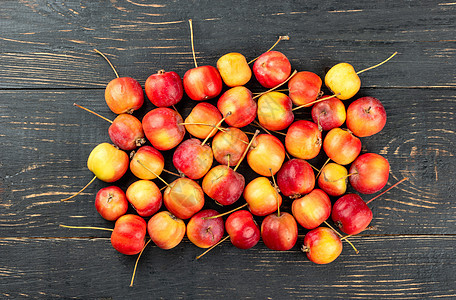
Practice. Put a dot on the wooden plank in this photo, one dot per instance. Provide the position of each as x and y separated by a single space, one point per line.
404 267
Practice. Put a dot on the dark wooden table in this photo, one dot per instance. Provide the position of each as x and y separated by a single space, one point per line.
47 63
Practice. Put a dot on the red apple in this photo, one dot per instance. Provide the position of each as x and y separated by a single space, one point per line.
322 245
205 233
262 197
223 184
312 210
149 157
239 103
193 159
145 197
366 116
111 203
271 69
124 95
129 234
202 83
303 139
274 111
329 114
341 146
351 214
204 113
126 132
183 198
279 232
163 128
370 173
164 88
304 87
229 145
295 178
166 230
243 230
267 152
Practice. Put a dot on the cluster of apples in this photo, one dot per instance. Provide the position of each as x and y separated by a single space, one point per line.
184 198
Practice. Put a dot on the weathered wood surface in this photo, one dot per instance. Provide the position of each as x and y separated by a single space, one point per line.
47 63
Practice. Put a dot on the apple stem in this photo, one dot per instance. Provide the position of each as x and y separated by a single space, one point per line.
226 213
136 263
172 173
377 65
277 86
155 174
221 241
246 150
229 159
342 237
319 172
215 128
282 90
74 195
391 187
281 38
343 177
92 112
256 124
276 188
86 227
288 155
316 101
190 22
112 67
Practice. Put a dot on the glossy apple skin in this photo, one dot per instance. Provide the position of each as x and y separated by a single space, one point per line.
274 111
166 230
205 233
373 173
303 139
267 152
243 230
329 114
271 69
341 146
223 184
279 232
164 88
228 146
192 159
342 78
333 179
203 113
202 83
312 210
304 87
124 95
151 158
129 234
183 198
234 69
351 214
145 197
238 100
262 197
126 132
296 178
162 129
111 203
366 116
107 162
322 245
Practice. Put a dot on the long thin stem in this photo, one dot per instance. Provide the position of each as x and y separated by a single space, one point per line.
343 177
215 128
136 263
391 187
112 67
319 172
281 38
277 86
86 227
155 174
92 112
190 22
256 124
74 195
221 241
172 173
342 237
246 150
316 101
377 65
226 213
276 188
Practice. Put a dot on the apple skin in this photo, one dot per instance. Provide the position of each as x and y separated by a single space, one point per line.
126 132
304 87
341 146
303 139
271 69
205 233
274 111
322 245
329 114
166 230
202 83
129 234
266 152
205 113
239 102
145 197
333 179
234 69
162 129
183 198
107 162
192 159
366 116
111 203
243 230
164 88
124 95
295 178
223 184
151 158
351 214
372 173
342 78
262 197
312 210
228 146
279 232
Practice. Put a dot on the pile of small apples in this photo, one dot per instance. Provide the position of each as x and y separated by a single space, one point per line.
211 169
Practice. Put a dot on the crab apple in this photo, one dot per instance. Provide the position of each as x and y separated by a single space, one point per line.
126 132
366 116
111 203
124 95
223 184
128 236
183 198
234 69
203 232
163 128
296 178
279 232
239 102
322 245
266 154
271 69
164 88
303 139
202 83
370 173
274 111
341 146
304 87
145 197
107 162
351 214
333 179
229 145
329 114
243 230
343 80
203 113
312 210
166 230
149 157
193 159
262 198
